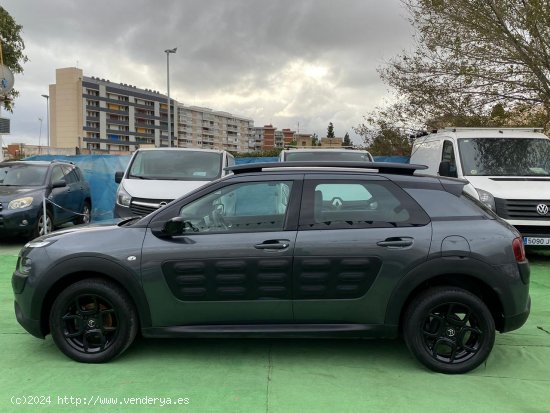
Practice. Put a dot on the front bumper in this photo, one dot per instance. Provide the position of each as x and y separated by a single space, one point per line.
18 222
29 324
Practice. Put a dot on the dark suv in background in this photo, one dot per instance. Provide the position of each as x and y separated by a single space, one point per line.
287 249
23 186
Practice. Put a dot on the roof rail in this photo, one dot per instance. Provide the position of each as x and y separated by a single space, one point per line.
381 167
527 129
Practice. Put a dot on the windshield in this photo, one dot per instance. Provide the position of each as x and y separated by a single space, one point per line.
317 155
505 156
22 175
176 165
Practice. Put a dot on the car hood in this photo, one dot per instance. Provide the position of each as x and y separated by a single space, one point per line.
13 191
160 189
513 187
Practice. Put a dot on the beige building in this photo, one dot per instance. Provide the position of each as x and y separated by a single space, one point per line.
95 114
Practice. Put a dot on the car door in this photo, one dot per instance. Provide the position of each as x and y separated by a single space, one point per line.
59 197
358 234
75 198
232 260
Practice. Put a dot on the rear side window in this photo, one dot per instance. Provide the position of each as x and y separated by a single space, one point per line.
442 204
358 204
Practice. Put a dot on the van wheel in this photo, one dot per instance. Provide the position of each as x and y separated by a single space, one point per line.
93 321
449 330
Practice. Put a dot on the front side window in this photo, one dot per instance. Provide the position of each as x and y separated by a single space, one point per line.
448 155
244 207
57 174
359 204
176 165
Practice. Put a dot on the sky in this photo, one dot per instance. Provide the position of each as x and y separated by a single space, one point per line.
290 63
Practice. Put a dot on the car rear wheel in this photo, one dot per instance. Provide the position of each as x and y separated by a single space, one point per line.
449 330
85 214
93 321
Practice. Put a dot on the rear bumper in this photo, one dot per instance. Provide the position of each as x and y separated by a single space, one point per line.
516 321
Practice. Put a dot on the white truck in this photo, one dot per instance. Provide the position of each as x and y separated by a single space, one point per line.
509 168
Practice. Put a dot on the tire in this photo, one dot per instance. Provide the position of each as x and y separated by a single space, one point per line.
86 212
93 321
39 230
449 330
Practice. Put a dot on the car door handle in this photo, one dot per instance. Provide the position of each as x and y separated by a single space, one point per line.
273 245
396 242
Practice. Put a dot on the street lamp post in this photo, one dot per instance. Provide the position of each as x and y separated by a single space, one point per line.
168 51
47 119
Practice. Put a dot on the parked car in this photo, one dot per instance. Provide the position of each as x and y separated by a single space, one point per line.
23 186
156 176
281 249
509 168
316 154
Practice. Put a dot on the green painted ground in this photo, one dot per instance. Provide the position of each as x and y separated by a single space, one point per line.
274 375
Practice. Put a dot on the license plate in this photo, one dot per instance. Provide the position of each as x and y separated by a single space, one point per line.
543 242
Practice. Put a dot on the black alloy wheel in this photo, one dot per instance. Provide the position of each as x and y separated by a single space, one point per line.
449 330
93 321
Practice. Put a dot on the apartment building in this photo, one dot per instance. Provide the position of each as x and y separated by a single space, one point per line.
200 127
95 114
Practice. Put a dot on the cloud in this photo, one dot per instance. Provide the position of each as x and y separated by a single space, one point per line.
280 62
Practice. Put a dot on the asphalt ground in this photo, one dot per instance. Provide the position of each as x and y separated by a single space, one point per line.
252 375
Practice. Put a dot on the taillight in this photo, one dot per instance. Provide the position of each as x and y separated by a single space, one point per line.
519 249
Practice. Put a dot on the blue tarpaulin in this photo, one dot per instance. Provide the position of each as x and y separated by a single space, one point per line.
99 171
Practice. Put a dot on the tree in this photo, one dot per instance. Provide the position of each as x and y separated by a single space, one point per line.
330 131
474 54
12 50
347 140
315 140
382 136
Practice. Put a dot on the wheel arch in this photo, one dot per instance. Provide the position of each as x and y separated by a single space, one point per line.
74 270
462 273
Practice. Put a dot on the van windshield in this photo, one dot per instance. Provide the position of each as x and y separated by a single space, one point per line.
176 165
505 156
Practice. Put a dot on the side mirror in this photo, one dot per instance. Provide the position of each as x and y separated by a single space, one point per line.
118 176
59 184
171 228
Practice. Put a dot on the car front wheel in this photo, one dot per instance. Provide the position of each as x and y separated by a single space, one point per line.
449 330
93 321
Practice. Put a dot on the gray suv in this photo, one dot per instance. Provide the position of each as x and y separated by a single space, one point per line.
334 250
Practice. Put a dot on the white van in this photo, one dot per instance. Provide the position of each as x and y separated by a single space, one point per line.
508 167
156 176
316 154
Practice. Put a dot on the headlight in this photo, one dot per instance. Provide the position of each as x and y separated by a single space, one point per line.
24 265
38 244
20 203
123 198
487 198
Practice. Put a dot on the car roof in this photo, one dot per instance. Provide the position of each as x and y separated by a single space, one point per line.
324 150
181 149
37 163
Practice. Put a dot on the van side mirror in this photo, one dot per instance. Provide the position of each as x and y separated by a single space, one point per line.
118 176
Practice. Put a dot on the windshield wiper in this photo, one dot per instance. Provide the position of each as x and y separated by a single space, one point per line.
139 177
